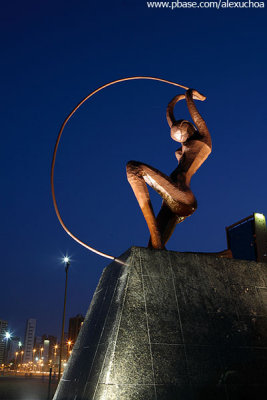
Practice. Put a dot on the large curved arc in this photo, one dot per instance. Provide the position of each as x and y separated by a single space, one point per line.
56 148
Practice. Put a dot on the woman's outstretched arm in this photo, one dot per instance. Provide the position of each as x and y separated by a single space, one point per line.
169 114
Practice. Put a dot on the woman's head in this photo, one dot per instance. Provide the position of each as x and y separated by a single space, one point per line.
182 130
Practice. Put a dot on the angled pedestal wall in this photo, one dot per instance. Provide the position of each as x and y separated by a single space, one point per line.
172 326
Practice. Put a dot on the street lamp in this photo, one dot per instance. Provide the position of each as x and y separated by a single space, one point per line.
67 264
41 351
21 355
16 356
33 355
69 343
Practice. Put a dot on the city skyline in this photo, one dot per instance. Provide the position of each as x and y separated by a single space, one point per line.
70 330
23 350
53 55
248 252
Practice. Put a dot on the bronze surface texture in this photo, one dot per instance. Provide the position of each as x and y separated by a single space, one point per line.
178 200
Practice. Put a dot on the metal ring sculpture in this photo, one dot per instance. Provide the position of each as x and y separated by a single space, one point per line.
56 148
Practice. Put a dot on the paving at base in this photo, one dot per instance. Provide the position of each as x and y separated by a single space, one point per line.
25 388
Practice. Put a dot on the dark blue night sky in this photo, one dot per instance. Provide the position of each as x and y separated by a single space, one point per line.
53 54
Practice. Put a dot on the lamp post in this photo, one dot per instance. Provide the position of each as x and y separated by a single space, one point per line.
33 355
69 343
67 264
16 356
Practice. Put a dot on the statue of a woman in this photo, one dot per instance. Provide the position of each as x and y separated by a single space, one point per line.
178 200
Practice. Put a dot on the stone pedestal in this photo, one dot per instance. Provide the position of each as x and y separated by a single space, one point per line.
172 326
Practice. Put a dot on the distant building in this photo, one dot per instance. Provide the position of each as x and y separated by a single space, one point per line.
29 340
51 342
3 330
38 341
14 347
247 239
46 350
75 324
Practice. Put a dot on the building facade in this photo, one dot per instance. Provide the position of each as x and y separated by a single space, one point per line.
49 343
75 324
29 340
14 347
247 239
3 329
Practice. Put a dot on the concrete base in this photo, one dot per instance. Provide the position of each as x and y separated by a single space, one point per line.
172 326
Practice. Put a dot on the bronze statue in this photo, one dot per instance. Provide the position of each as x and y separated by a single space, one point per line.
178 200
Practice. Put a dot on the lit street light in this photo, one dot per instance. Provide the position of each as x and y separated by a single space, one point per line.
55 354
69 343
33 355
67 264
16 356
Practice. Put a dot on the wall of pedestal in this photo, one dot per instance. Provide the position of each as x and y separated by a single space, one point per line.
172 326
